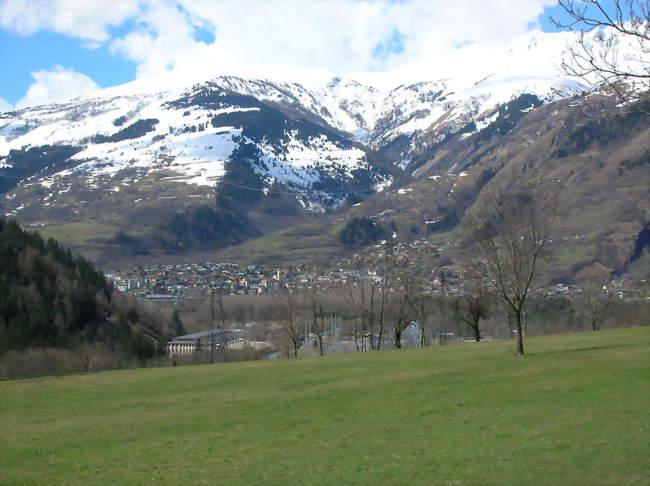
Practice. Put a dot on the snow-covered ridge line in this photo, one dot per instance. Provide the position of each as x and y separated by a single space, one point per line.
442 94
187 136
188 130
358 103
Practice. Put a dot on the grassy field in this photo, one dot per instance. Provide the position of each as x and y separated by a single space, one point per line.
80 232
304 243
575 410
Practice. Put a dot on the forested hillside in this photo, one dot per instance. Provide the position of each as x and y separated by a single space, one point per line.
50 299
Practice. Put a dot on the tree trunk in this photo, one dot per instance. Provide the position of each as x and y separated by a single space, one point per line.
477 332
356 335
320 344
372 319
594 319
594 315
381 318
520 336
398 339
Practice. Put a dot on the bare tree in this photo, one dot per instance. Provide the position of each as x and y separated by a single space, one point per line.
385 266
352 296
472 307
590 304
286 298
370 296
401 307
368 316
510 231
360 296
421 301
318 316
597 58
441 310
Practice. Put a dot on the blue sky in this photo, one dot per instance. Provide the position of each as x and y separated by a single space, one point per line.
90 48
22 55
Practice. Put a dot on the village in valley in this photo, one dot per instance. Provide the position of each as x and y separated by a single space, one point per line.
171 282
177 286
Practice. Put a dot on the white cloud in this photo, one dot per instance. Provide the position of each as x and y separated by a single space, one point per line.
5 106
336 35
163 39
86 19
58 85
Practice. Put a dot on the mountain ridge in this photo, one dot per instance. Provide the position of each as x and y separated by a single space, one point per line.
132 163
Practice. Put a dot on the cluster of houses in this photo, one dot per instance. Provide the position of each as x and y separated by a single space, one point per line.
177 281
184 280
173 282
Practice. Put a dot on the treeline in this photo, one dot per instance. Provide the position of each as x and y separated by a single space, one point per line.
361 232
50 299
21 164
403 307
136 130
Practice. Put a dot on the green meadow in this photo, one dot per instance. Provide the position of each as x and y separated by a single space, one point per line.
575 410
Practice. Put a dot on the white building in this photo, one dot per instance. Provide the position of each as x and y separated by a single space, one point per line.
198 341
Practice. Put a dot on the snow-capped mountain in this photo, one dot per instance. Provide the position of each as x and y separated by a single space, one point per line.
307 135
442 94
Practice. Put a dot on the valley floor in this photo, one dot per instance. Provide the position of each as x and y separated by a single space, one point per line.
573 411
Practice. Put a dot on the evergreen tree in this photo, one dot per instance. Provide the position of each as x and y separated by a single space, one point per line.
177 324
362 232
50 299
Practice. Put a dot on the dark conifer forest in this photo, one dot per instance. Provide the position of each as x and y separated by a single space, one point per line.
50 299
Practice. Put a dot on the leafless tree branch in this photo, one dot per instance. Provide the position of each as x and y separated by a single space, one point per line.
510 230
597 58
